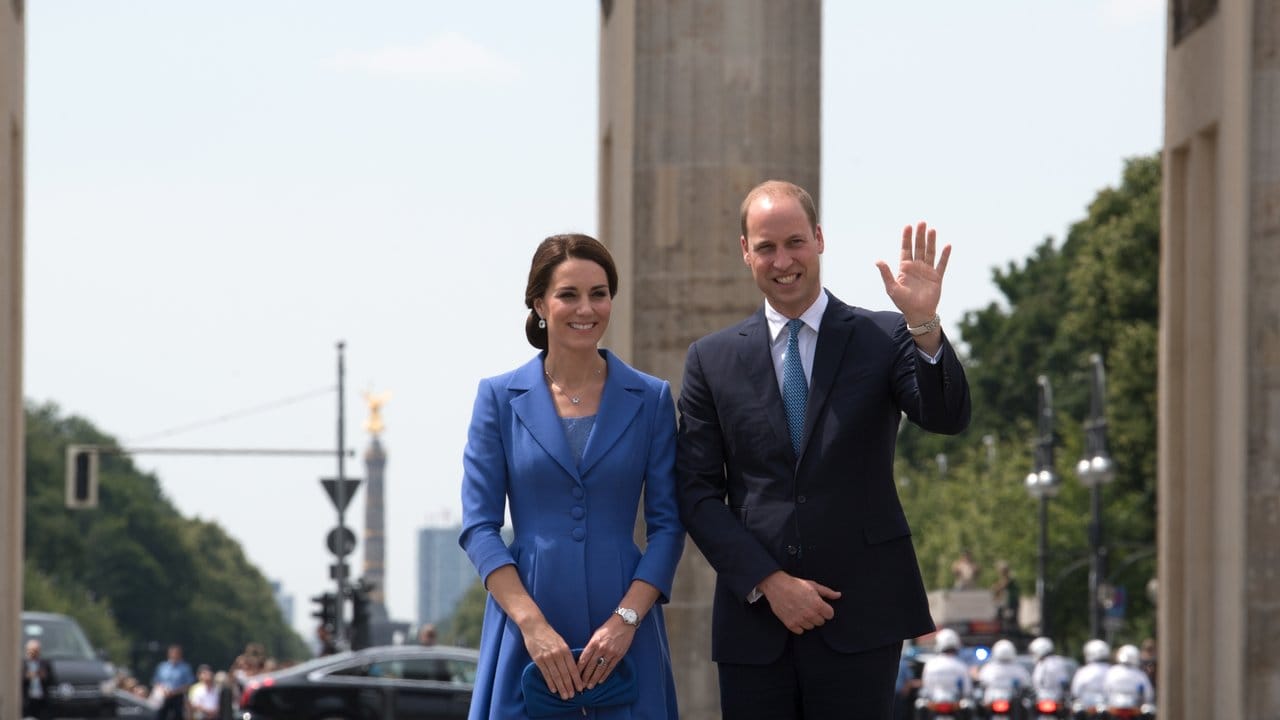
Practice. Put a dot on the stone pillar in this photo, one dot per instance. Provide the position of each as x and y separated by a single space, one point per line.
1219 388
375 532
700 100
12 484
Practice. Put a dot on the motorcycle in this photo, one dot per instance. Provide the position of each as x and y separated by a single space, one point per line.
942 705
1128 706
1090 706
1001 703
1050 705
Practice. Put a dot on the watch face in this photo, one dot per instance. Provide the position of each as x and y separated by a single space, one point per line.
628 616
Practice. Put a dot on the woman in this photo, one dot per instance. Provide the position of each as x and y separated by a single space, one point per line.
571 439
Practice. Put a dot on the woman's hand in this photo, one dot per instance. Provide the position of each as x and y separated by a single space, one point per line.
608 645
552 656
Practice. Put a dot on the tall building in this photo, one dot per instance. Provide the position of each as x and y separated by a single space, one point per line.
700 100
1219 391
12 125
444 573
375 532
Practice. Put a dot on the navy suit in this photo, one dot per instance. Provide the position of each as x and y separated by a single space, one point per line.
831 514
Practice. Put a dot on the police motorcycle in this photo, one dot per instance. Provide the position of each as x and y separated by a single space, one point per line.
943 704
1127 706
1001 703
1050 704
1089 706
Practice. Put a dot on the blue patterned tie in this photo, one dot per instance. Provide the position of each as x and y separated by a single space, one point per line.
795 389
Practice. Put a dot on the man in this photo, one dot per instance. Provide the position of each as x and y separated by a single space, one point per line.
1052 674
36 674
204 697
170 682
1003 670
785 464
945 676
1086 687
1126 679
427 634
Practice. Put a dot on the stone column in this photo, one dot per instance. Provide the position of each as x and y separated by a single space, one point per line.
700 100
1219 389
12 484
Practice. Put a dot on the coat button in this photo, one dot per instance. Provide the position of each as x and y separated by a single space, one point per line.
577 512
792 549
802 499
577 492
579 533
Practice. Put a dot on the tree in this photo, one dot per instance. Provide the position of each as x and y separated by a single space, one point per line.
1096 293
134 572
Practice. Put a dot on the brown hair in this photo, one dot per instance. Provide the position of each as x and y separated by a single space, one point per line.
780 189
550 253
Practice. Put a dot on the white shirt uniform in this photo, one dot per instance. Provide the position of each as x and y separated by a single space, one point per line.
1122 679
1008 675
1053 674
945 675
1087 684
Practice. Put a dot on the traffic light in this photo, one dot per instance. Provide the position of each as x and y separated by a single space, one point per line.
326 610
82 477
361 615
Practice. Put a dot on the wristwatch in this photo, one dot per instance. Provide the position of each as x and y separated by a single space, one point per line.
628 616
933 324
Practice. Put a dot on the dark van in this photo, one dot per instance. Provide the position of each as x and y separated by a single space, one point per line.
82 684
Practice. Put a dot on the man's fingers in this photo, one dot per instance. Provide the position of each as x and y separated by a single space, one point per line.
921 241
931 245
886 275
942 262
905 255
825 591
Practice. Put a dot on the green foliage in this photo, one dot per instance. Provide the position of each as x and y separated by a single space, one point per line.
464 627
1097 293
135 573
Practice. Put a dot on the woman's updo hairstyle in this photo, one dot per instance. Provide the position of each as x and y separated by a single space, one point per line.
550 253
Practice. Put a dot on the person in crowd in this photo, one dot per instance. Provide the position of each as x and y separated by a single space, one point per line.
905 686
570 442
788 424
170 683
1006 594
203 697
1126 677
1052 673
964 571
37 673
945 675
1149 661
427 634
1086 686
1003 671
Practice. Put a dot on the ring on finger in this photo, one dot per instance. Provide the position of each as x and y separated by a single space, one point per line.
601 661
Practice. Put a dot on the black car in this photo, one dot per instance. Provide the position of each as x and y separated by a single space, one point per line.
82 684
406 682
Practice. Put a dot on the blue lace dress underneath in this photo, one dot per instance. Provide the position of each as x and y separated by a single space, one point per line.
577 430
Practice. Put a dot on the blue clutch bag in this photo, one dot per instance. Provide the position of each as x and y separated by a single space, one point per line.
617 689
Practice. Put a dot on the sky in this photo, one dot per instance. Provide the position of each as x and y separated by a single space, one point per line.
219 192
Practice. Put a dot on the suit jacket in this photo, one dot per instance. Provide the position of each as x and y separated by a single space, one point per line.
832 514
573 524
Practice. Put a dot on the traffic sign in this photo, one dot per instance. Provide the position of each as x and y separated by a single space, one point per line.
349 487
339 571
341 541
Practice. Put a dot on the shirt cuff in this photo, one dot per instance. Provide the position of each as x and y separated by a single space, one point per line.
754 595
931 359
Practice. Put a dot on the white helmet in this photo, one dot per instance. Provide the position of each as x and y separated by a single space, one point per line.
1003 652
1128 655
947 639
1040 647
1096 651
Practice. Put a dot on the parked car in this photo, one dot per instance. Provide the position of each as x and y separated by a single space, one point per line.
82 683
405 682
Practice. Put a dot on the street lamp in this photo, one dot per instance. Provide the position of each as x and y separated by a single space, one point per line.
1042 484
1095 470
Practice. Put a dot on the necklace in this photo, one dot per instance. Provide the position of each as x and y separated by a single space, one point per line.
575 399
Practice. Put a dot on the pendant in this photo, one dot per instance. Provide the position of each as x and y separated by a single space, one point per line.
575 399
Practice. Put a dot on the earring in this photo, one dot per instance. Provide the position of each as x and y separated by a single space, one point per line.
542 324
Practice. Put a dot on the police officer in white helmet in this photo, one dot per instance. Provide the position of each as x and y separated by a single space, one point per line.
1052 673
1086 687
1126 678
944 674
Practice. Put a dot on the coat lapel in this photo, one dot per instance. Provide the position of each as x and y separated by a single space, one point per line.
537 412
833 337
619 404
757 360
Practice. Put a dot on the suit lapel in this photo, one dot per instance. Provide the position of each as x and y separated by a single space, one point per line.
619 404
754 352
833 337
537 412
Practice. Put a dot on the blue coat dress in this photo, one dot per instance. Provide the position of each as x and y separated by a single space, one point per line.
573 524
